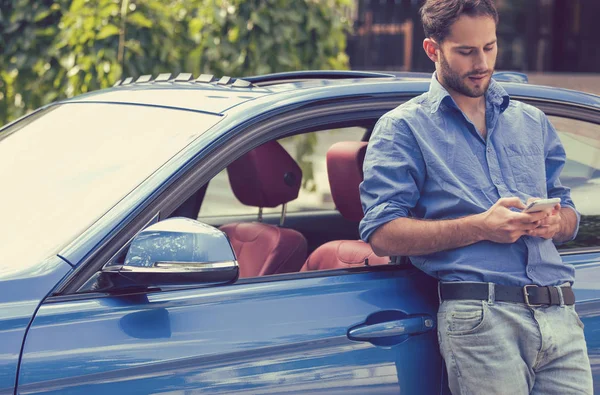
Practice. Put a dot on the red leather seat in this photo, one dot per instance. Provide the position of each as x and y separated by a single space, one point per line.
344 169
265 177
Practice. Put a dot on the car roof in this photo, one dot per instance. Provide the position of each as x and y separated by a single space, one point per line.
216 96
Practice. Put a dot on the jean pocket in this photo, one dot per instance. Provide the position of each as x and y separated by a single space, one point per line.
577 319
465 317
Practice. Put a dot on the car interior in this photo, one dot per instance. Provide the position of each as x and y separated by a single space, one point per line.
268 180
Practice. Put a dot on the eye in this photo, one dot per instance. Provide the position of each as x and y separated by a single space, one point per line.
488 49
465 53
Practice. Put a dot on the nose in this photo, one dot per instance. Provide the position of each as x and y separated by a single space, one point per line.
481 62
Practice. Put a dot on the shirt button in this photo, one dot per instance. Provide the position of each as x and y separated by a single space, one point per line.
529 270
489 150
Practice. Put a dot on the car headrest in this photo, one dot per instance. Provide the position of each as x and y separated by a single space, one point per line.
267 176
344 168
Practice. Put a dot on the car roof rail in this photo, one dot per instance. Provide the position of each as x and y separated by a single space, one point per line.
313 75
187 77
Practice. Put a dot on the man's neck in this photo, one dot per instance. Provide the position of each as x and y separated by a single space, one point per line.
472 107
468 105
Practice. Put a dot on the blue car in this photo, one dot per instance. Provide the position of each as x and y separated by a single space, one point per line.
176 234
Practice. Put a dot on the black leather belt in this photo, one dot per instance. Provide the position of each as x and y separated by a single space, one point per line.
531 295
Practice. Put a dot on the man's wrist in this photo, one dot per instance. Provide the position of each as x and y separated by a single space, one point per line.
475 227
565 226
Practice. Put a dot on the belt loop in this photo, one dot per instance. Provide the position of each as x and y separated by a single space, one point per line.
491 293
439 292
560 296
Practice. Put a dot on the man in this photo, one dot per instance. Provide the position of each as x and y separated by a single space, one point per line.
446 175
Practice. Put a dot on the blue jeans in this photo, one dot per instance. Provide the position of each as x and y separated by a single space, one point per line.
510 348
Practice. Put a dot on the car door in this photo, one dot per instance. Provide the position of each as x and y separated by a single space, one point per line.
353 331
361 331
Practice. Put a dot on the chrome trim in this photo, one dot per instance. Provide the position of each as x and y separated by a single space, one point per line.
283 213
554 102
181 267
579 251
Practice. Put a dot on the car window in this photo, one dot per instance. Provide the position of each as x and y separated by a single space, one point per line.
582 174
309 150
65 166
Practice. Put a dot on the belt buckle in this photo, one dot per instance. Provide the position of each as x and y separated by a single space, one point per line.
526 296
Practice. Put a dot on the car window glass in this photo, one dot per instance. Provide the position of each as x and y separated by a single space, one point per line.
309 150
66 166
581 173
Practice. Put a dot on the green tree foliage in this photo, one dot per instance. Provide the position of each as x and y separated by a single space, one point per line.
54 49
241 37
28 30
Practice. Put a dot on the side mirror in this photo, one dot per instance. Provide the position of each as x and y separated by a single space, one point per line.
176 251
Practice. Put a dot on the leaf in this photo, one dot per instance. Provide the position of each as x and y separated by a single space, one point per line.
41 15
138 19
233 34
107 31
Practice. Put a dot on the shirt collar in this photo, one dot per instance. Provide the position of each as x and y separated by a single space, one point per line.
495 95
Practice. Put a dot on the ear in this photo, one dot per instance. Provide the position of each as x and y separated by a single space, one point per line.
431 48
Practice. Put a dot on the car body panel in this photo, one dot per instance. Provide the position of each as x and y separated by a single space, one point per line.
20 295
587 294
587 275
271 336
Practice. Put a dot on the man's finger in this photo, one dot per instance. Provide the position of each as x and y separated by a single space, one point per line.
527 218
511 202
531 226
551 220
541 232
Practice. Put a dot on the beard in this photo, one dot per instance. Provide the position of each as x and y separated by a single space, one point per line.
458 83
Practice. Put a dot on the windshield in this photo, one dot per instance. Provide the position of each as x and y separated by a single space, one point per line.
64 167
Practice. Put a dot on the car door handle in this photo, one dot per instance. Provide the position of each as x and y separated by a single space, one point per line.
406 326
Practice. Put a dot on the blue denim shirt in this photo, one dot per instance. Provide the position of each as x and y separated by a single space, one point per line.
426 160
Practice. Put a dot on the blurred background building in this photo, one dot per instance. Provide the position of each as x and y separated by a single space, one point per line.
533 36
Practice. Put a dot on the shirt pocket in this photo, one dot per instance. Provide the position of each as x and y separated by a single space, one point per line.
526 169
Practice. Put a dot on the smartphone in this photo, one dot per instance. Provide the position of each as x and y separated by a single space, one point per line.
542 204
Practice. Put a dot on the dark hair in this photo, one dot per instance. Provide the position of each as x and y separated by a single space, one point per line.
438 16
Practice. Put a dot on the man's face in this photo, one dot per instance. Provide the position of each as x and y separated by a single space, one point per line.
468 55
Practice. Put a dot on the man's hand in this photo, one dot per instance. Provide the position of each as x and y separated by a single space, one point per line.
550 225
502 225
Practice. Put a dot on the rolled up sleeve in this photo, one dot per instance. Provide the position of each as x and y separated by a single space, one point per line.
394 173
555 161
